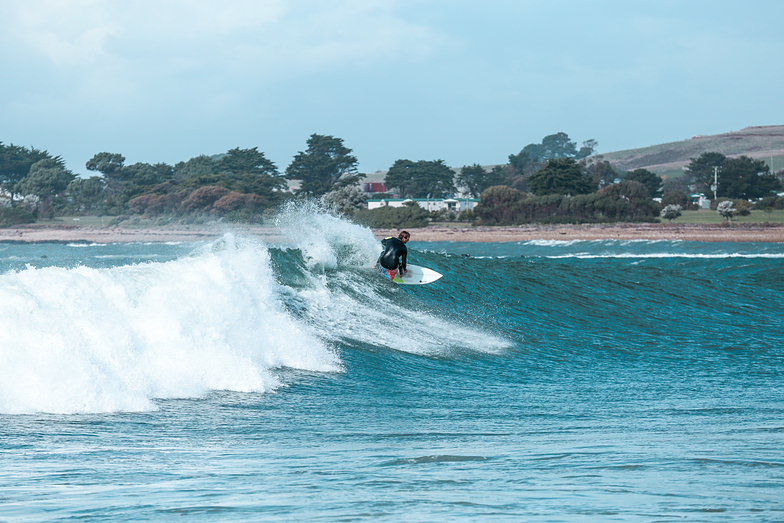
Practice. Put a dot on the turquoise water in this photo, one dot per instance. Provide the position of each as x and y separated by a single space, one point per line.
537 381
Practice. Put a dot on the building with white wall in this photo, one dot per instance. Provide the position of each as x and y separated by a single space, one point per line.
429 204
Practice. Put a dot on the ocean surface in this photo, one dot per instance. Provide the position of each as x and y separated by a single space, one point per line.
537 381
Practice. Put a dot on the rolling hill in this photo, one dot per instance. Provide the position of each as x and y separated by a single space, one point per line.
766 143
668 159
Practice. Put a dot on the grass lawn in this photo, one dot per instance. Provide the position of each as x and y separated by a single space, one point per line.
707 216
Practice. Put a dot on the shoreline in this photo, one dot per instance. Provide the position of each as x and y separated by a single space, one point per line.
434 233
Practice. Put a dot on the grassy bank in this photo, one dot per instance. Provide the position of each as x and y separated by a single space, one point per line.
712 217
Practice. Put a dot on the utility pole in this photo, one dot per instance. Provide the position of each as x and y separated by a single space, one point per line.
715 185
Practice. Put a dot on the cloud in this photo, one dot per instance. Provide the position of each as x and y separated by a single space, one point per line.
231 36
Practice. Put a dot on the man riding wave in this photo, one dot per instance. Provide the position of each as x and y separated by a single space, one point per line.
395 253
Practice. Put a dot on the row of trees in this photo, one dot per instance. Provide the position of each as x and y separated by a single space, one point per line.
435 179
565 190
625 201
742 177
243 183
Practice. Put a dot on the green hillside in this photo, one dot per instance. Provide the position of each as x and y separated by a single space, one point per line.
764 143
668 159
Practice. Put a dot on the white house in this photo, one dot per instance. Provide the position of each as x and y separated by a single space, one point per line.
700 200
429 204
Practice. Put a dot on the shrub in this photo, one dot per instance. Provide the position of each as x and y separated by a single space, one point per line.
156 204
500 204
346 200
202 199
14 216
742 208
774 202
670 212
408 216
234 201
466 215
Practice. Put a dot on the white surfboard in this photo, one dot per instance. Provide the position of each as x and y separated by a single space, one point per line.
416 275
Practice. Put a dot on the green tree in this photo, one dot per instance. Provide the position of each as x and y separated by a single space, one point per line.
601 172
588 149
48 180
249 171
746 178
124 182
476 178
106 163
647 178
635 193
558 145
532 157
499 204
85 194
523 164
422 179
553 146
140 174
675 198
676 183
325 164
196 166
561 176
16 161
701 170
110 166
251 161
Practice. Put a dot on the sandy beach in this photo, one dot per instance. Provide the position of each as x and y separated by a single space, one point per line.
706 233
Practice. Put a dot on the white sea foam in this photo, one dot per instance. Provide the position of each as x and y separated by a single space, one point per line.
353 303
566 243
716 256
103 340
327 241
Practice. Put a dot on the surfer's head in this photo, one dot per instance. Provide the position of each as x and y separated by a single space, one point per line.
404 236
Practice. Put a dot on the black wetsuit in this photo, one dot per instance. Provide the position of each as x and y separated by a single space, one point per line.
395 253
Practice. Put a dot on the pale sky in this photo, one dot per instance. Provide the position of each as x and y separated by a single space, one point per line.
462 81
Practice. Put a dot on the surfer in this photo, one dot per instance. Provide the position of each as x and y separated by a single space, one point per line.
395 254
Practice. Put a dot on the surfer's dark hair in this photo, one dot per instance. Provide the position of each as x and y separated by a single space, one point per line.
402 234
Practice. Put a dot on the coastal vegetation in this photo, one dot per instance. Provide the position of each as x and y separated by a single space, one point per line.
549 182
